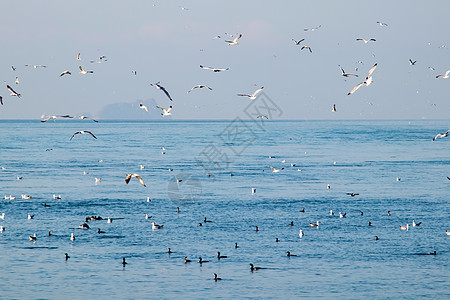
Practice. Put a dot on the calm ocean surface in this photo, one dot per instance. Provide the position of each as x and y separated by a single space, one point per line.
340 259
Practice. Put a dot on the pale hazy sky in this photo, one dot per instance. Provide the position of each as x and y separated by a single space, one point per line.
166 43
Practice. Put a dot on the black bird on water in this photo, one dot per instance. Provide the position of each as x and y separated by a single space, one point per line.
67 256
124 262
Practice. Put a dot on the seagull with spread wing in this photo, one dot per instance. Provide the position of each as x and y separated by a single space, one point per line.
346 74
367 82
234 42
83 132
214 69
84 72
159 87
166 112
143 107
13 93
366 41
129 176
252 96
200 86
54 117
444 75
66 72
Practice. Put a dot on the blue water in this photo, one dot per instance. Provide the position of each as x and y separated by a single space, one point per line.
340 259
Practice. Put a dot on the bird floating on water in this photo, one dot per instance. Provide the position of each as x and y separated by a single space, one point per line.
275 170
156 226
216 278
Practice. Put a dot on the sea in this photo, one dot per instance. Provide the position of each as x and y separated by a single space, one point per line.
220 172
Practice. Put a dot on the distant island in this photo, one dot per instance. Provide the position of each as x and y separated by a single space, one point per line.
132 111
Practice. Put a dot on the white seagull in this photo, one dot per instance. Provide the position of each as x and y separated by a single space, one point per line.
441 135
143 107
312 29
382 24
275 170
159 87
155 226
214 69
297 42
54 117
13 93
129 176
367 82
366 41
346 74
36 66
234 42
66 72
84 72
252 96
300 234
166 112
17 80
306 47
86 118
199 86
445 75
83 132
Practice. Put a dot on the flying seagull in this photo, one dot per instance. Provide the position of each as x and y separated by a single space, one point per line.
367 82
166 112
381 23
17 80
441 135
54 117
78 56
297 42
159 87
234 42
445 75
213 69
83 132
87 118
13 93
275 170
252 96
306 47
199 86
366 41
1 100
129 176
412 63
334 108
312 29
346 74
84 72
143 107
66 72
36 66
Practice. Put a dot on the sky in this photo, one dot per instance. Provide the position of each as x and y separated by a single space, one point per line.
166 41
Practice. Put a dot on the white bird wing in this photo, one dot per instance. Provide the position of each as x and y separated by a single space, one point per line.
256 92
355 88
206 68
168 110
371 70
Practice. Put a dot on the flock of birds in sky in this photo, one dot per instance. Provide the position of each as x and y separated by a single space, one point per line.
368 80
